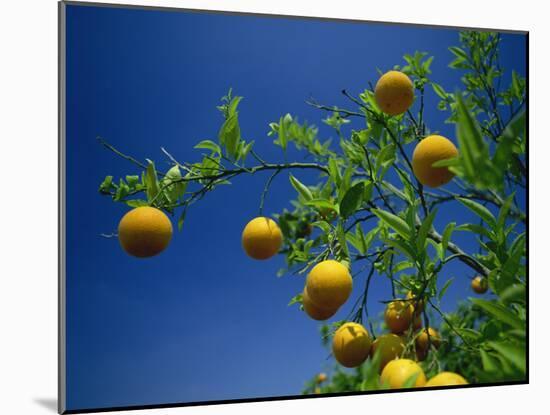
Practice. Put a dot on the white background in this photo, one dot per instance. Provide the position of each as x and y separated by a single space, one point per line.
28 208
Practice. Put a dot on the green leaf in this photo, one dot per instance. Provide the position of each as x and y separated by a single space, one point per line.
444 289
334 171
182 218
321 204
411 380
471 227
424 229
341 233
151 181
513 293
447 237
232 109
394 222
490 364
401 266
132 181
472 147
515 354
352 200
283 140
480 211
438 89
106 186
516 88
137 203
230 135
401 246
459 53
499 312
301 188
503 213
385 155
296 299
209 145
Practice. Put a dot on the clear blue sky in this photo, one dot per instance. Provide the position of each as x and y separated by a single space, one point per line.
202 321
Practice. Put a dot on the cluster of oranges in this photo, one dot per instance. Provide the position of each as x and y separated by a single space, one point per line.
147 231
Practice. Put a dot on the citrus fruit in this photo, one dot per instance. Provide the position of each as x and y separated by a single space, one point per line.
399 316
351 344
390 347
480 285
422 341
262 238
316 313
446 379
399 371
144 232
394 92
321 377
329 284
431 149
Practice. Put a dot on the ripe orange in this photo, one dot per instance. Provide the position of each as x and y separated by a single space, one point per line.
394 93
351 344
422 339
329 284
262 238
431 149
321 377
397 372
391 346
399 316
144 232
446 379
315 312
480 285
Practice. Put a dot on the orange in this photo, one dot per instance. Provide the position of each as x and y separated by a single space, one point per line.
446 379
321 377
144 232
391 346
399 316
316 313
397 372
351 344
480 285
329 284
422 339
394 93
430 150
262 238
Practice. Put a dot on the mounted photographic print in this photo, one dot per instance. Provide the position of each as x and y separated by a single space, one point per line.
259 207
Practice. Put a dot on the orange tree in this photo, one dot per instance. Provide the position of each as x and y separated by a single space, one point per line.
373 208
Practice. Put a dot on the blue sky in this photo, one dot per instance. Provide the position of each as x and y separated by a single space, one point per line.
202 321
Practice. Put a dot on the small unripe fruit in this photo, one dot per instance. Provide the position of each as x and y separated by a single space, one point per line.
480 285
